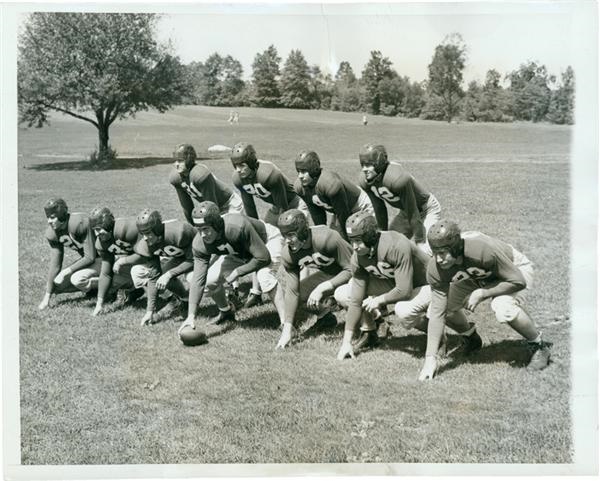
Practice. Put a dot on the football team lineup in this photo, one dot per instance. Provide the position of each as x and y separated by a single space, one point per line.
326 246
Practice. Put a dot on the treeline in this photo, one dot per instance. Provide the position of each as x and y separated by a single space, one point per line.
531 92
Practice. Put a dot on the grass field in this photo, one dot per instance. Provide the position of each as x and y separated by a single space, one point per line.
105 391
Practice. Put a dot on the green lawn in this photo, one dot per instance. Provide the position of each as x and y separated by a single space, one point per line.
105 391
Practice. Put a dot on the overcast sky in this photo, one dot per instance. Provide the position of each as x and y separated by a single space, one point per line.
498 35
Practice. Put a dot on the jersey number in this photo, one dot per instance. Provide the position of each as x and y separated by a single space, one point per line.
226 249
384 193
169 251
68 241
317 259
317 201
257 190
195 193
474 273
382 270
120 247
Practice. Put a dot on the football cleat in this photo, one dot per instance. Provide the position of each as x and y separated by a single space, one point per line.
328 321
383 328
541 355
253 300
367 340
132 295
223 316
472 343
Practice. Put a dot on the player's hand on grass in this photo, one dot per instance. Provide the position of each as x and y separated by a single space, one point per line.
161 283
286 336
476 297
98 309
429 368
147 319
346 350
45 302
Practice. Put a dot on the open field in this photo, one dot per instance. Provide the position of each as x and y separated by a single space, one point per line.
103 390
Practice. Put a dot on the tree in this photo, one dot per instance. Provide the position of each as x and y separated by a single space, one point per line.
493 105
295 82
446 75
97 67
562 102
265 73
378 68
530 91
345 74
471 101
321 88
222 80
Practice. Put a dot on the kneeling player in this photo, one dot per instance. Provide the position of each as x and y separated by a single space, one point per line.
69 230
162 253
466 269
317 247
387 268
114 240
243 245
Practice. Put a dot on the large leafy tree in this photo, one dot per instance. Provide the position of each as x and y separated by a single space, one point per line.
562 102
446 77
222 80
377 69
529 86
345 74
97 67
265 75
295 82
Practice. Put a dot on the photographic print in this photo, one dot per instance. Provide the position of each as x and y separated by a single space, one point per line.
287 239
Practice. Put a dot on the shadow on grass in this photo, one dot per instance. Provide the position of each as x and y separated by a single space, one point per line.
117 164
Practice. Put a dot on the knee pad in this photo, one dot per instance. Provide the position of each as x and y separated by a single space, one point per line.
506 308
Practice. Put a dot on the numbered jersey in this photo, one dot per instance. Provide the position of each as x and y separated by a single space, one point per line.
398 188
176 242
125 236
200 184
327 252
330 192
485 260
73 236
395 258
269 184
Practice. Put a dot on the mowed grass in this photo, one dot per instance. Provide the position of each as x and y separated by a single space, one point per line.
104 390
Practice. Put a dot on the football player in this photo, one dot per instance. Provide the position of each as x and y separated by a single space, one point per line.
73 231
114 239
326 254
466 269
162 253
194 181
243 245
387 268
325 191
388 182
262 179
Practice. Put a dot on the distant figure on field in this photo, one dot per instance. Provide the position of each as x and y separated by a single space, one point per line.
230 119
364 120
236 118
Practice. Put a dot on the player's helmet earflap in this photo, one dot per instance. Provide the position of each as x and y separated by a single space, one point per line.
150 221
445 234
309 161
363 226
375 155
102 217
244 153
293 221
207 213
58 207
186 153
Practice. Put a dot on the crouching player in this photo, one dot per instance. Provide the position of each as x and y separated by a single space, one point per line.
73 231
114 240
162 253
243 246
387 268
467 269
326 254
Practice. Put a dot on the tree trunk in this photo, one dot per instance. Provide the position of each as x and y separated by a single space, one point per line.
103 150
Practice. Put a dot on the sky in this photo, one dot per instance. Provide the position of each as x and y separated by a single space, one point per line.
498 35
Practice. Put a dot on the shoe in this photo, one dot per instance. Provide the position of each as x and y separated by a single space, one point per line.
443 349
253 300
472 343
132 295
383 328
541 355
328 321
367 340
223 316
111 296
92 293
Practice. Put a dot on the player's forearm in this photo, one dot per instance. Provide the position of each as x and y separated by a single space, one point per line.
395 295
105 279
502 289
152 294
341 278
435 330
185 266
133 259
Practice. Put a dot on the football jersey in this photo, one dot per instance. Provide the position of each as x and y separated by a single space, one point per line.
331 193
199 184
125 235
397 188
269 184
76 235
243 237
485 260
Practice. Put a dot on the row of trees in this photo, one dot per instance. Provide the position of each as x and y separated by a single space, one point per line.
101 67
531 94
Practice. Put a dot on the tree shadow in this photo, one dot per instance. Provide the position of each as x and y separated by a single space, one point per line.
123 163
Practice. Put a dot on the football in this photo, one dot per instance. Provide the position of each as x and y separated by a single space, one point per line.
192 337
